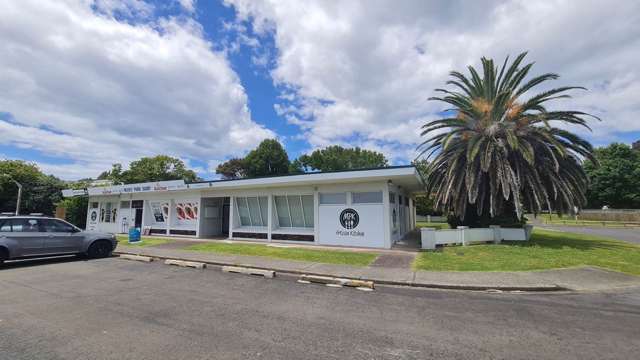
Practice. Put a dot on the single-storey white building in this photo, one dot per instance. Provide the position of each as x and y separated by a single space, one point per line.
363 208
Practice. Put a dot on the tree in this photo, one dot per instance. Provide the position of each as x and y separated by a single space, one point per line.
40 192
268 159
334 158
148 169
232 169
616 181
115 174
495 155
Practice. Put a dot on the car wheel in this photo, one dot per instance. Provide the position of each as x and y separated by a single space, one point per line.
99 249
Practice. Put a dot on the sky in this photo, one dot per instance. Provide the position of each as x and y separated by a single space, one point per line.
88 83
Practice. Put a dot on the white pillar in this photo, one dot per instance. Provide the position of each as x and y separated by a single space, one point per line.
386 216
461 232
269 216
231 215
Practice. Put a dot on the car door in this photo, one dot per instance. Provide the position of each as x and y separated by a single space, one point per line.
60 237
26 234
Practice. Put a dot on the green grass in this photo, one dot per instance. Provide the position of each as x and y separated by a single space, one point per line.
146 241
545 250
300 254
436 225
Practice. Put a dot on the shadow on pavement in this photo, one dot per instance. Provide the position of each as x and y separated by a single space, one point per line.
21 263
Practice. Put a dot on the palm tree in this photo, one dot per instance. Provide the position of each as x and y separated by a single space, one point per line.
498 154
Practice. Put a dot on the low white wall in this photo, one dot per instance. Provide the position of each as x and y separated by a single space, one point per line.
431 237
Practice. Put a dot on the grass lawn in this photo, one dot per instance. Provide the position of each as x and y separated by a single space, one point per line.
312 255
545 250
436 225
146 241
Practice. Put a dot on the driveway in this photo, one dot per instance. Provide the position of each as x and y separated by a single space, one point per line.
117 309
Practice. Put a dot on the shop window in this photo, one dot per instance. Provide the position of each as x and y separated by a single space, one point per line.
372 197
94 205
295 211
252 210
124 204
333 198
108 212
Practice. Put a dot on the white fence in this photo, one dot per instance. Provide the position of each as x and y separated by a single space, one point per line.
431 218
463 235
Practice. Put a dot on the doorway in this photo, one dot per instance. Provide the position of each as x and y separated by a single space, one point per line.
214 221
138 209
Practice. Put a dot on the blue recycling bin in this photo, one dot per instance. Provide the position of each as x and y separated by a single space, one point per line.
134 235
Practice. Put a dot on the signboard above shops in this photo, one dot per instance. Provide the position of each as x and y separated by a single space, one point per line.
158 186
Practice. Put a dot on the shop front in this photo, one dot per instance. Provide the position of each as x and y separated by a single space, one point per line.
359 208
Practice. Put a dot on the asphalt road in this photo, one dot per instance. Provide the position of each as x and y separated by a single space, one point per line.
629 234
118 309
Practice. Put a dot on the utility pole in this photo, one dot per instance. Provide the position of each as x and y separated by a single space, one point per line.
19 192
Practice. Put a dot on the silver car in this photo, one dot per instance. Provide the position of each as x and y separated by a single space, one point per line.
37 236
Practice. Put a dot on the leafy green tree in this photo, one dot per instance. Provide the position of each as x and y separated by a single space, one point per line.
75 210
496 154
616 181
40 192
148 169
115 174
334 158
269 158
232 169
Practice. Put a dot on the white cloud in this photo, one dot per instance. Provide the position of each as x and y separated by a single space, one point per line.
363 69
97 90
188 5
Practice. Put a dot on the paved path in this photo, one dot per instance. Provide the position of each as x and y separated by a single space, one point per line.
394 270
394 261
117 309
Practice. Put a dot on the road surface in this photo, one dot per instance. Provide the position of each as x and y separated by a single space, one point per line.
118 309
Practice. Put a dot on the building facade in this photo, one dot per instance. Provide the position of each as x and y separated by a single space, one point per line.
361 208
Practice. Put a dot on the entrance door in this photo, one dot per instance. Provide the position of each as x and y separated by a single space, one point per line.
138 218
137 206
225 216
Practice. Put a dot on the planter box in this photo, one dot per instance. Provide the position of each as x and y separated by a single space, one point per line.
431 237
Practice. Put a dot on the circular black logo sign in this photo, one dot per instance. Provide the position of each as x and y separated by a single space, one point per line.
349 219
94 215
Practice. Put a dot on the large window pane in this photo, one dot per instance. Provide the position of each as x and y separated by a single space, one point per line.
283 211
307 206
254 211
372 197
243 211
333 198
264 209
295 207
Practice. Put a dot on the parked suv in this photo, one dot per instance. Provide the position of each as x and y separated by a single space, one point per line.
38 236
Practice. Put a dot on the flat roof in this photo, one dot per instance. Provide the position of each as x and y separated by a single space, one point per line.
405 175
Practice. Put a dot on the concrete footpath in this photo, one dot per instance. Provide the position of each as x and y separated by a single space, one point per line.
577 279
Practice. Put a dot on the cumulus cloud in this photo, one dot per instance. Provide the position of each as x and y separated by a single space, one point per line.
361 71
83 84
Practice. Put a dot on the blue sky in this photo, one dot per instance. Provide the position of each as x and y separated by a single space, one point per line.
206 81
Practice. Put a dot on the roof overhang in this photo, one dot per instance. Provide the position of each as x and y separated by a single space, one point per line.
406 177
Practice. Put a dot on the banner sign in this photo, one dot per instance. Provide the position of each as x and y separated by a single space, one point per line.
138 188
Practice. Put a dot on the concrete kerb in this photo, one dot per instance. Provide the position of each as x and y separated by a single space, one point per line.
442 286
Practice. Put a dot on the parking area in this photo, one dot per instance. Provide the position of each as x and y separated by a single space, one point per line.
117 309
